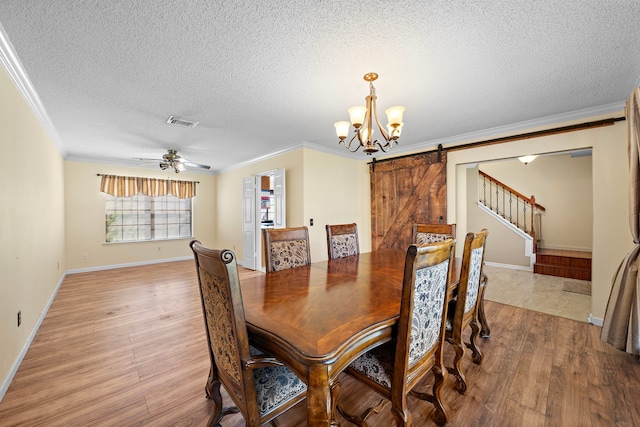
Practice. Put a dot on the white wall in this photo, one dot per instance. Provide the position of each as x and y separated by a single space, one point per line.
610 228
328 188
32 241
229 196
336 191
506 246
85 219
563 185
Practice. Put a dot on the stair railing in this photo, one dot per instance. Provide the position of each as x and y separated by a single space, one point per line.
511 205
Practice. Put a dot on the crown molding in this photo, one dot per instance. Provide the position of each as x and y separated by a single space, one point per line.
615 107
18 75
260 158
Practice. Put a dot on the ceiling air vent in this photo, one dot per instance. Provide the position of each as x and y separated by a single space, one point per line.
181 121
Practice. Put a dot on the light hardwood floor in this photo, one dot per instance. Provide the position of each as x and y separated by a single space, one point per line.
127 347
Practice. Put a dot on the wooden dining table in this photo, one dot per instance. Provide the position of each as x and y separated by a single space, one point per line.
317 318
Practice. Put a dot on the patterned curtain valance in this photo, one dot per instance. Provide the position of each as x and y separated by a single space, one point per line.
127 186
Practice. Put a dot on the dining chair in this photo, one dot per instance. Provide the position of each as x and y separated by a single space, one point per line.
342 240
286 248
463 308
431 233
260 386
395 368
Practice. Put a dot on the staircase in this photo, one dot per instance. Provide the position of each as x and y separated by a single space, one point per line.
561 263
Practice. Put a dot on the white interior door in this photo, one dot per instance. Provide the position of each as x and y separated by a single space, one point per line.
249 203
279 199
252 221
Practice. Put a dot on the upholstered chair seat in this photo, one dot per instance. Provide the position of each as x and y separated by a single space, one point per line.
275 385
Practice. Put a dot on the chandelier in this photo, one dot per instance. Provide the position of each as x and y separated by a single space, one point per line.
362 119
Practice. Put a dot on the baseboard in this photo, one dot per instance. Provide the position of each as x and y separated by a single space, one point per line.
14 369
130 264
513 267
595 320
566 248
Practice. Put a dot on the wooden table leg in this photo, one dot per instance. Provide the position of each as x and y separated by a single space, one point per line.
485 331
319 399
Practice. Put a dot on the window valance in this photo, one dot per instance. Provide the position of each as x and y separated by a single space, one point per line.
127 186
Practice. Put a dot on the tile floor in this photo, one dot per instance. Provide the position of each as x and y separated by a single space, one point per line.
536 292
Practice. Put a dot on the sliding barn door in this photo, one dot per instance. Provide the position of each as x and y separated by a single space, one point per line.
405 191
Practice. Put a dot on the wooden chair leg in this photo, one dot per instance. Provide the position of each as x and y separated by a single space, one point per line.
208 388
361 420
486 331
441 414
212 390
402 416
456 370
476 353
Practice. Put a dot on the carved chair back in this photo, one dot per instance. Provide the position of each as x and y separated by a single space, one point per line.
395 368
286 248
259 385
431 233
342 240
463 309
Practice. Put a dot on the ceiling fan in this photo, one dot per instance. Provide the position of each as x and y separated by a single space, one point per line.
176 162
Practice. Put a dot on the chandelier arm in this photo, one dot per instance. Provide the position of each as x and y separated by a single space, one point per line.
371 114
386 147
384 133
348 145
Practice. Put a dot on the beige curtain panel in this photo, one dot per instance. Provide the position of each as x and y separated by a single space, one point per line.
621 327
127 186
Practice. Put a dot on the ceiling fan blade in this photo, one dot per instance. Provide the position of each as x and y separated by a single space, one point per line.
195 165
143 159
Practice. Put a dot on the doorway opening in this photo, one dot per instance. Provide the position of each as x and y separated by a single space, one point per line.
264 207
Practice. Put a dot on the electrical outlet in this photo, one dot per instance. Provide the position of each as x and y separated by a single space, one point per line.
311 222
158 248
85 256
19 318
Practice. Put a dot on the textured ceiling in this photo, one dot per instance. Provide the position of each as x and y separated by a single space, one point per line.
262 77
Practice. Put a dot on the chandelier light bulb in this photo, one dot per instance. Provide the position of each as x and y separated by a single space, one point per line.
356 115
394 115
342 129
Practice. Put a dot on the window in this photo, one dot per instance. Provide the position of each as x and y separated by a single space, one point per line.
142 218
